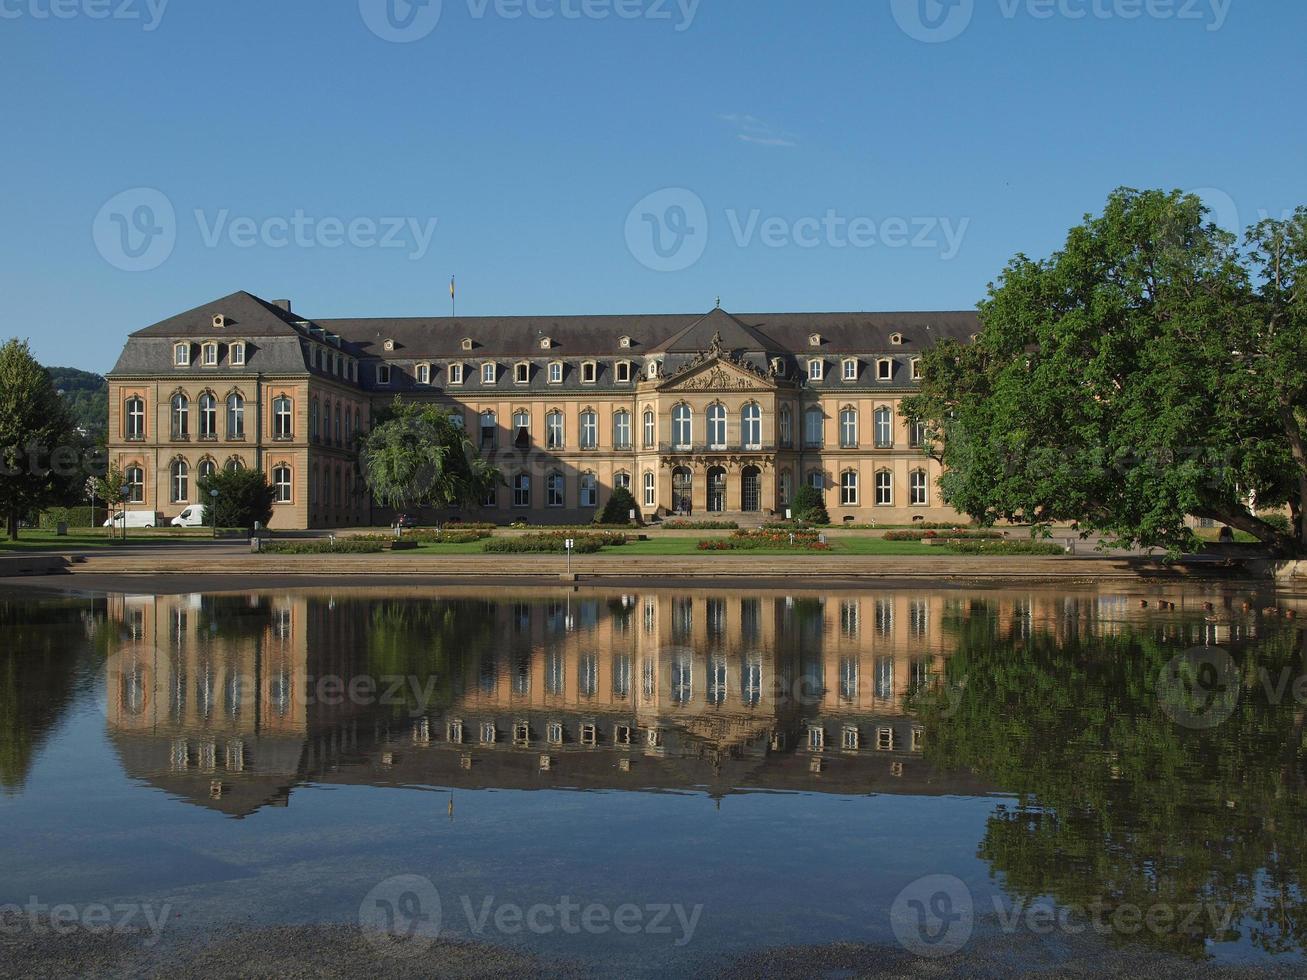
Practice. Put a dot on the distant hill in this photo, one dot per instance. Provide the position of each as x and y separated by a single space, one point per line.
87 397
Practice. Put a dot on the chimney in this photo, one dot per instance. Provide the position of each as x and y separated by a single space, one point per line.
282 304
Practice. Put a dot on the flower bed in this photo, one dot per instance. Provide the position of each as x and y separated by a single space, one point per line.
932 535
453 534
766 538
1004 547
339 546
586 543
679 524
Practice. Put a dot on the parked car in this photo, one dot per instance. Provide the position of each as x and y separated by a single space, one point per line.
133 518
192 516
406 521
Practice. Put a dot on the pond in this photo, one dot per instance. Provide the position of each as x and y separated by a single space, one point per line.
668 781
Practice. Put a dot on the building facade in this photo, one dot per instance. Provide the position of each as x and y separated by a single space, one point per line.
706 415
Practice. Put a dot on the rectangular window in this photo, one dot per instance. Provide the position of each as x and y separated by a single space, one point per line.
850 370
556 373
424 374
521 373
488 373
181 355
916 369
522 490
815 370
237 355
589 372
554 490
884 370
623 371
456 374
383 374
210 355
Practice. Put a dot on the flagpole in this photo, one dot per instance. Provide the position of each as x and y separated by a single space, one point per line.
451 297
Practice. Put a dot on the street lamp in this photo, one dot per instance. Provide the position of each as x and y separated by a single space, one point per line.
214 494
124 492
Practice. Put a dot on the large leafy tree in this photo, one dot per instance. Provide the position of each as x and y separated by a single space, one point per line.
1150 369
418 456
42 459
244 497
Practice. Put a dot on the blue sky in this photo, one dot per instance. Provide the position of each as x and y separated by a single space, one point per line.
787 155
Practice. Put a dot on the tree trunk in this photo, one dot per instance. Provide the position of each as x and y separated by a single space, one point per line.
1287 544
13 525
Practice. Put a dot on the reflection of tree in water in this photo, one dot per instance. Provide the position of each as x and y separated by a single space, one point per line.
40 643
1116 802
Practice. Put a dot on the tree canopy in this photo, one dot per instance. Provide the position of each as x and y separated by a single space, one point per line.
1151 369
244 498
419 456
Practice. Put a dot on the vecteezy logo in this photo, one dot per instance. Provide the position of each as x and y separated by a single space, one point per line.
1199 688
667 231
135 231
933 916
933 21
401 21
401 916
129 683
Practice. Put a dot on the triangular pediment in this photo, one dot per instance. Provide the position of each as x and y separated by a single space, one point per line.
718 374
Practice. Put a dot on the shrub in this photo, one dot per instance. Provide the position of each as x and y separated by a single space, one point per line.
459 534
809 506
765 539
787 525
72 516
679 524
340 546
553 543
618 508
952 535
983 547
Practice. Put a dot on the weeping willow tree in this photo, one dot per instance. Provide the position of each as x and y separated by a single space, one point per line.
419 456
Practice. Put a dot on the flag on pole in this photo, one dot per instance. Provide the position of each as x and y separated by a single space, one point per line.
451 287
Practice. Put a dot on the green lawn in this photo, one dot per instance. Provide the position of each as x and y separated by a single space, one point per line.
34 539
689 546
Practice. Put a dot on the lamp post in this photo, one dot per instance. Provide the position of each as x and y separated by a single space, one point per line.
123 492
214 495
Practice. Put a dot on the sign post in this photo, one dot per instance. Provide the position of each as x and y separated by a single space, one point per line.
569 544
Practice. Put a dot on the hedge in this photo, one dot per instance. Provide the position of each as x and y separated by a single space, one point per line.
678 524
916 535
553 543
341 546
72 516
981 547
459 534
756 540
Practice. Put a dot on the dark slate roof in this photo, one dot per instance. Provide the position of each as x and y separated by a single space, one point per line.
718 326
247 316
152 356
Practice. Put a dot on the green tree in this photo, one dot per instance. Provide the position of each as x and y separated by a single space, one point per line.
244 497
1149 370
41 457
809 506
618 508
418 456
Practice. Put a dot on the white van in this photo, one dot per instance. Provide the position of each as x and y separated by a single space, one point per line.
192 516
133 518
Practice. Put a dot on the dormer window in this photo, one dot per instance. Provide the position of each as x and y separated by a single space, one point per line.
816 370
589 372
884 369
623 372
467 343
652 370
236 354
916 369
896 339
219 321
388 345
624 343
181 355
489 373
850 369
521 372
546 343
555 372
423 374
814 340
383 374
209 354
456 374
778 366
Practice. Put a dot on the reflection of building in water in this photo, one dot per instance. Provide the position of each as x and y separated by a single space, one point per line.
232 700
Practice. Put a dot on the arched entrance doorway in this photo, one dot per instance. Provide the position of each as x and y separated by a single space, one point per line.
682 489
716 490
751 490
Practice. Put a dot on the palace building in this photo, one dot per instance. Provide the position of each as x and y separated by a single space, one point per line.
703 415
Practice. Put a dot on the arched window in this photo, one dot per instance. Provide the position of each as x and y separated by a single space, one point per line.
849 488
918 488
134 418
554 430
181 416
717 425
522 429
234 465
282 424
235 416
135 480
650 490
785 487
682 427
281 484
315 429
554 490
884 488
650 429
207 468
813 427
622 430
208 416
181 481
349 422
849 428
489 430
751 426
786 426
884 428
589 490
339 430
817 479
589 429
